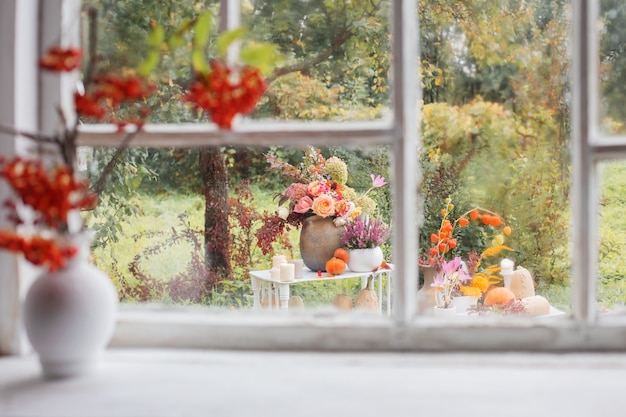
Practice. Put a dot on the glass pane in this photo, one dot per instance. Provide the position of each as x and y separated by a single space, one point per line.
333 59
495 137
337 58
612 35
611 286
187 226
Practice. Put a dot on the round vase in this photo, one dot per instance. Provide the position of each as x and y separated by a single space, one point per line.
365 260
444 312
426 296
319 239
70 314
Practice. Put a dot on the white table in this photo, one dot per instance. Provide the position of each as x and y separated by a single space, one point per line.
263 286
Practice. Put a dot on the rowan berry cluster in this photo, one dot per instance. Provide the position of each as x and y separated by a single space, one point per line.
223 94
37 250
50 194
104 93
109 92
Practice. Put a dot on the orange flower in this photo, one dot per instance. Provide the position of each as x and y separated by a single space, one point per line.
324 205
474 214
463 221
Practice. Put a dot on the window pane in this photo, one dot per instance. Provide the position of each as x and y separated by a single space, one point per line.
495 136
337 58
612 66
160 204
334 57
611 287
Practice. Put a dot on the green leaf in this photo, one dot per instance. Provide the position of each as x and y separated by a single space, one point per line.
202 29
198 61
262 56
176 41
148 64
155 40
227 38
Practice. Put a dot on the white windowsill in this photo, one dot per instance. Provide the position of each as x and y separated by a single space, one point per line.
229 383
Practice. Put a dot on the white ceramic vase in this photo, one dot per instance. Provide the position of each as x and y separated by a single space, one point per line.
365 260
70 314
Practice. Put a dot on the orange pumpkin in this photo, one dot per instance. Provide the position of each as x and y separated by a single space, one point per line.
499 295
335 266
342 254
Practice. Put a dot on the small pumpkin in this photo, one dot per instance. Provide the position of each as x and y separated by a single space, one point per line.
367 299
342 254
295 301
499 296
536 305
522 283
343 302
265 302
335 266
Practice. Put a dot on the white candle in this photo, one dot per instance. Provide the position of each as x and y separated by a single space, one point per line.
275 274
287 272
506 270
277 260
298 265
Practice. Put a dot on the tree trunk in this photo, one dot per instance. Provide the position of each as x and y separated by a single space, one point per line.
216 230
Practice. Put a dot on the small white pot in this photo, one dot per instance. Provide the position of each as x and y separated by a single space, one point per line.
444 312
70 316
365 260
464 302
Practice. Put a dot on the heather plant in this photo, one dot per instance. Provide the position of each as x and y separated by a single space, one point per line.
364 232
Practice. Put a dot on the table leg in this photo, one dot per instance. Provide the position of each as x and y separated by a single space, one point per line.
284 296
256 292
380 292
389 280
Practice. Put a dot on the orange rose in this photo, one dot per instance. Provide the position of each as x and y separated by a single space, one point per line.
324 205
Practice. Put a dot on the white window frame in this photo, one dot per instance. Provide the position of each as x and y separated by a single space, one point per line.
582 331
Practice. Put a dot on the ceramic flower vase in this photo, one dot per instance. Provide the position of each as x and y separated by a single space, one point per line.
425 296
319 239
365 260
70 314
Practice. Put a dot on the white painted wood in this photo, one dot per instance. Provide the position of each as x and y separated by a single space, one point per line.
151 383
262 133
18 108
326 329
405 170
585 176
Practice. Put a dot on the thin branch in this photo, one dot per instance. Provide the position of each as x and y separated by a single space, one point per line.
100 184
38 137
306 64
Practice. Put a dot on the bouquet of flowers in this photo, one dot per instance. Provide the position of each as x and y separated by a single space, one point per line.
318 188
449 280
477 279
